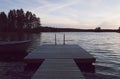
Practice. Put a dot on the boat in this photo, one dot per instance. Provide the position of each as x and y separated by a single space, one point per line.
14 46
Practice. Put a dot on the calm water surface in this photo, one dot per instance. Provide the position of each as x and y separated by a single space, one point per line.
105 47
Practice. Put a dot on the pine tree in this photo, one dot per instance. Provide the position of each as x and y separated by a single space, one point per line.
19 21
3 22
12 15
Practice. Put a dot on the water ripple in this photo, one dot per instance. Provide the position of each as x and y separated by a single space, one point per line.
104 46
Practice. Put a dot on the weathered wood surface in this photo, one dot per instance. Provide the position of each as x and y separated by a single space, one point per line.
59 52
58 69
59 61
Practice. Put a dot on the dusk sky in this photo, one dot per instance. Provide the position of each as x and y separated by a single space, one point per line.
70 13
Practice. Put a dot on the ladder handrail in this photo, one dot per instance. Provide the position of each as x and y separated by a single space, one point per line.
63 39
55 40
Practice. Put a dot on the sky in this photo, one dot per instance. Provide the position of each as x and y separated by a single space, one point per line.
83 14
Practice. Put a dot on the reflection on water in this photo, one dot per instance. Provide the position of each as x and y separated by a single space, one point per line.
105 47
17 55
15 36
12 56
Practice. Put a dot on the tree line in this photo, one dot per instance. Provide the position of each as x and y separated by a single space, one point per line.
18 21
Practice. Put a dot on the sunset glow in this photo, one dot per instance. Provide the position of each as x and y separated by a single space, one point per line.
70 13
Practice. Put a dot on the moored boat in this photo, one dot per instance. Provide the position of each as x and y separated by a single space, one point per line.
14 46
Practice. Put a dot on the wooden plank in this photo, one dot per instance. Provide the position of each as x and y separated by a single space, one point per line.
58 69
59 52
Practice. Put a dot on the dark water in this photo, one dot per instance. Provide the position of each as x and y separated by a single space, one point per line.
7 37
105 47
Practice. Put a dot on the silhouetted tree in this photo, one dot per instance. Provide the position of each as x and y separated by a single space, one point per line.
3 22
32 21
12 15
118 29
20 20
27 19
97 29
17 20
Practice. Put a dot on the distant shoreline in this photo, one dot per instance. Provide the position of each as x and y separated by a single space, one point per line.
52 29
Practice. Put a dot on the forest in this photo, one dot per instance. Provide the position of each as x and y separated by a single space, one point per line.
19 21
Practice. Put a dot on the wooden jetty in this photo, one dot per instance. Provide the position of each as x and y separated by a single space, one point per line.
59 61
58 69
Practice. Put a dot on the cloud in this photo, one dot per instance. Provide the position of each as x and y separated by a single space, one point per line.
52 13
70 13
63 6
50 7
79 13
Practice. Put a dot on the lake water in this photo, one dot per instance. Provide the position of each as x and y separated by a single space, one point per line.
105 47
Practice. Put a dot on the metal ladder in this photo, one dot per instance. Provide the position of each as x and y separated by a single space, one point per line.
63 39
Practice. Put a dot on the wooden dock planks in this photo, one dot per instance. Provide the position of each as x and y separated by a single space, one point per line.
58 69
59 52
59 61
